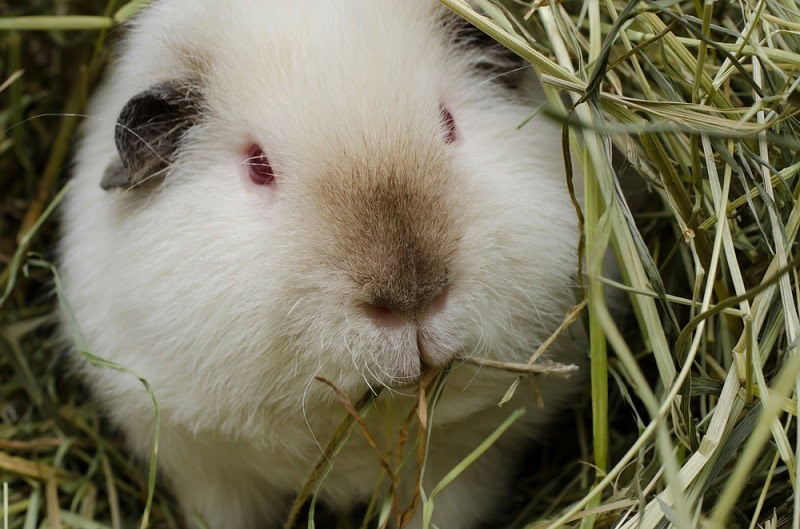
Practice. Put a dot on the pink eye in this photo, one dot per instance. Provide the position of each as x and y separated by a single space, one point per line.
449 123
260 170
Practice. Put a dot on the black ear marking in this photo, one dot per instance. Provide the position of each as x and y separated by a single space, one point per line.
149 131
490 57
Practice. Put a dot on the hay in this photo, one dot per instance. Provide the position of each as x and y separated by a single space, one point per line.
691 420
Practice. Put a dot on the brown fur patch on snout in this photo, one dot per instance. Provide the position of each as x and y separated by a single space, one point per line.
392 225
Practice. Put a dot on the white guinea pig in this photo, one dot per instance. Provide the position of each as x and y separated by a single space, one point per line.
270 191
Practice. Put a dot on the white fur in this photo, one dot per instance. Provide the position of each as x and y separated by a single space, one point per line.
212 293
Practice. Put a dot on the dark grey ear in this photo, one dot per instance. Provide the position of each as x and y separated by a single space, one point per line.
488 56
149 131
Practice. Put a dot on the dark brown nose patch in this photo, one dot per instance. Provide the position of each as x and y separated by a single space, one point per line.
393 231
409 283
407 241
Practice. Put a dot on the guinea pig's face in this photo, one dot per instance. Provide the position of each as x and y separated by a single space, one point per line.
341 194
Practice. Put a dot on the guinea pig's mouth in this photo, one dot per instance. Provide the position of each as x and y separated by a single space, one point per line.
418 357
401 344
427 358
420 380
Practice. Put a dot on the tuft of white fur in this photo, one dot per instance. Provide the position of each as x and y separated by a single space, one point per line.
217 295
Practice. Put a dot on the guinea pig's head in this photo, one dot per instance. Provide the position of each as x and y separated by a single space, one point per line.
303 188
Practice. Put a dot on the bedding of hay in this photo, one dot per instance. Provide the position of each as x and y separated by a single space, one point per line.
690 420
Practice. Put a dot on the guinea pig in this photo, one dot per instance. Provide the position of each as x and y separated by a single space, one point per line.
270 191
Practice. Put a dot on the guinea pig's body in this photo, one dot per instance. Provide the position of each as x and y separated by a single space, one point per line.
397 218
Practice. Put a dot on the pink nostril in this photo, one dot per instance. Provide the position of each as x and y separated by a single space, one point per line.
383 316
439 301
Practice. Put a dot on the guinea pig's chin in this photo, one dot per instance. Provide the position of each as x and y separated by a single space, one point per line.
405 373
